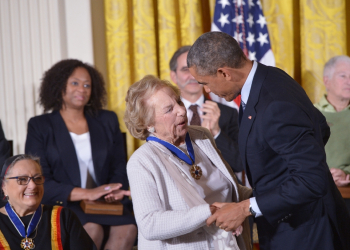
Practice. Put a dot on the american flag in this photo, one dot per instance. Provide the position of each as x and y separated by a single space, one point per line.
245 21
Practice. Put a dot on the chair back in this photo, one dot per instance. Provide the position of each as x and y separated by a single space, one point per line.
10 142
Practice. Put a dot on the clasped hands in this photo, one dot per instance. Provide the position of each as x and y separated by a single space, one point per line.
229 216
340 177
111 192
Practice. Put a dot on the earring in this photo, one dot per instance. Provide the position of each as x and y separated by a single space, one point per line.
151 130
7 197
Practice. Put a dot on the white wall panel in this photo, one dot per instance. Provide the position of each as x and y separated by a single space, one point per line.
78 21
33 36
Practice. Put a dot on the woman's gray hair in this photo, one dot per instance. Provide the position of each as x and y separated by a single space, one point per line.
139 114
11 162
329 67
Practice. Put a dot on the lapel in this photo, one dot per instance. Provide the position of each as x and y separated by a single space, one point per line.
204 143
99 147
66 148
249 113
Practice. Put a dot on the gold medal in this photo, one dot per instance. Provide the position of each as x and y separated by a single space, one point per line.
27 243
196 172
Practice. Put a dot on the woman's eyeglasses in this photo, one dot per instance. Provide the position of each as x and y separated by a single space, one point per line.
24 180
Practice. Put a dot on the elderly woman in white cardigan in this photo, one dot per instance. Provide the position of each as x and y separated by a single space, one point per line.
177 174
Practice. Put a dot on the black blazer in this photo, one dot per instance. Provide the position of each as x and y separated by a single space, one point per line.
281 140
4 147
48 138
227 141
4 154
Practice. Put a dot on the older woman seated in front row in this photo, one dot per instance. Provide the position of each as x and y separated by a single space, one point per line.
177 174
24 222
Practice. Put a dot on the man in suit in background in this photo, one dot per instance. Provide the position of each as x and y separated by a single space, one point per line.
220 120
4 154
281 140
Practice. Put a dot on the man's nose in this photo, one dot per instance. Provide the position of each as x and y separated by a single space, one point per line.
207 89
191 76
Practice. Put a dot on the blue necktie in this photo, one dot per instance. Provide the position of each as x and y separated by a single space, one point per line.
241 110
243 105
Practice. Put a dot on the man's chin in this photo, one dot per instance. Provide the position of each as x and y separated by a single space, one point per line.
229 98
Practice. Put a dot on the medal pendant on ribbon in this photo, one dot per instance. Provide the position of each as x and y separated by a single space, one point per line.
196 172
27 243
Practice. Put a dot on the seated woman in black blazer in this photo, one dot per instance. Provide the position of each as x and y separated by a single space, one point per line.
81 150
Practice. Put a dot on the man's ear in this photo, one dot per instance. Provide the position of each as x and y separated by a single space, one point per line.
326 82
224 72
173 76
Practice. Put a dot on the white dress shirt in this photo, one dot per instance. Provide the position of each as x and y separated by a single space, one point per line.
82 146
245 98
213 186
199 102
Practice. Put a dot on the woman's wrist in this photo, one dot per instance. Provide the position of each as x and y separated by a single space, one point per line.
79 194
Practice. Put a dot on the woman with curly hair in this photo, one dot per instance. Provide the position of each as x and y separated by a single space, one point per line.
81 150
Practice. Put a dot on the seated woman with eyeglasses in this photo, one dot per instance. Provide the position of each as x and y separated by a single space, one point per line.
24 222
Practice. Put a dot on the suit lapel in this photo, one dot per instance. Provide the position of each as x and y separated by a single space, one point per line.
98 140
249 113
66 148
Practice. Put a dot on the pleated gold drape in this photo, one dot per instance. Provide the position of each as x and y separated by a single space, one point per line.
305 34
142 35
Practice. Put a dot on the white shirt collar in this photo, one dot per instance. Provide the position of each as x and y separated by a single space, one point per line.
199 102
248 83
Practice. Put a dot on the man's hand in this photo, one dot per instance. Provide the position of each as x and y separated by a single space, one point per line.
230 215
211 115
340 177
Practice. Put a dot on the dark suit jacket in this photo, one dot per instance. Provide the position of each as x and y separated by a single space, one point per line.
227 141
4 154
281 140
48 138
4 147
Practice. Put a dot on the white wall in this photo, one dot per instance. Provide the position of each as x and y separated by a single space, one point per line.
34 35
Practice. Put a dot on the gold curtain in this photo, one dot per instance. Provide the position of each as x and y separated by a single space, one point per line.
305 34
142 35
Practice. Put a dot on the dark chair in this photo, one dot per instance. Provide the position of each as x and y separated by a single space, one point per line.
125 147
11 147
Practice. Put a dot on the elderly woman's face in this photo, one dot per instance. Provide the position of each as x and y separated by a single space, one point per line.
170 120
78 90
24 197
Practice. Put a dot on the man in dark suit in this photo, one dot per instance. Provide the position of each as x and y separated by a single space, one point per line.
220 120
281 142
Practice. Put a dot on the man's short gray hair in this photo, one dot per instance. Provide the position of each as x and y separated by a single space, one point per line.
329 67
214 50
179 52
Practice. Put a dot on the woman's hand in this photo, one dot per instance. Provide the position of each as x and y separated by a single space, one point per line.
117 195
98 192
238 231
213 209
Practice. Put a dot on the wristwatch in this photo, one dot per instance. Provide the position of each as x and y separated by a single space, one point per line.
252 212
